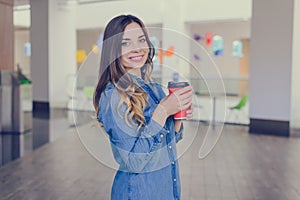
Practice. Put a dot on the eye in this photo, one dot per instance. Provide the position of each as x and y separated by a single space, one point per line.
142 40
125 44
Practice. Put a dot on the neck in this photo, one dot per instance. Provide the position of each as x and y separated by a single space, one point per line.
136 72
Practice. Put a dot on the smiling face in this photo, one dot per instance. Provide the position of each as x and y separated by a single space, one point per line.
134 49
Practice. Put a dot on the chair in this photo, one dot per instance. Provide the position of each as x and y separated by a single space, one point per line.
238 108
88 94
89 91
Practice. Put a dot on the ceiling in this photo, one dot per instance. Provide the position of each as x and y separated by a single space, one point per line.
26 2
21 2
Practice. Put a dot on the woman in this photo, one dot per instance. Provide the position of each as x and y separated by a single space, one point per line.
137 115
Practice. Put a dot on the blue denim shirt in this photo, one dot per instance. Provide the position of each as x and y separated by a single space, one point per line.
147 158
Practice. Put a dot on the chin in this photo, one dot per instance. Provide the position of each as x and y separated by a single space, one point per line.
135 65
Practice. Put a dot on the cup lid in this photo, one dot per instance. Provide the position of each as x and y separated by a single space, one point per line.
172 84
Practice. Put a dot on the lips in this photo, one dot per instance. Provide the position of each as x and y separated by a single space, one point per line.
137 58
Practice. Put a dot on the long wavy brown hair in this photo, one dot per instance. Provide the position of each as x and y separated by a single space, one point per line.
111 71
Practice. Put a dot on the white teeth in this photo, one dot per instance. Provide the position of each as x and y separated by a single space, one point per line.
136 58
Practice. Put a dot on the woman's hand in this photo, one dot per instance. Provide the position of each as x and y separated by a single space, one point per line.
189 113
177 101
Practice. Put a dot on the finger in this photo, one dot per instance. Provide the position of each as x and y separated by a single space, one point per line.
181 96
186 95
185 106
183 90
189 87
189 112
191 109
185 101
189 116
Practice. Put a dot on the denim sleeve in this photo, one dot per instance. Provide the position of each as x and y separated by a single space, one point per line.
160 92
179 134
135 147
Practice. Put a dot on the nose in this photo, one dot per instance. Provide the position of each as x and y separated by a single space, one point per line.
136 47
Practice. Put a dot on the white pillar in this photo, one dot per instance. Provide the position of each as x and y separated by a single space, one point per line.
6 35
62 50
174 34
295 117
53 41
271 67
39 31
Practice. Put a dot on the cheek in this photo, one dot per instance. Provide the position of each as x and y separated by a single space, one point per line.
124 54
145 47
146 53
146 50
123 60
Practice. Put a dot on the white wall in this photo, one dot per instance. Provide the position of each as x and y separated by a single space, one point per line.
230 31
174 32
207 10
152 12
22 18
210 66
63 23
21 37
172 14
157 11
98 14
87 74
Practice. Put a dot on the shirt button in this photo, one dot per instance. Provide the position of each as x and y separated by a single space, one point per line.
161 135
174 180
170 147
173 163
168 131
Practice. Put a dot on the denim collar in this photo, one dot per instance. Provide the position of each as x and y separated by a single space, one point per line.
145 87
138 79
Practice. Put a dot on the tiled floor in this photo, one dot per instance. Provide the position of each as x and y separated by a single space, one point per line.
241 166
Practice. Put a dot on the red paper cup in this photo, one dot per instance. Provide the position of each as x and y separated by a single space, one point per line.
173 86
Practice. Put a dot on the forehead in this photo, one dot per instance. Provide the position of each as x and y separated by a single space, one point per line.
133 30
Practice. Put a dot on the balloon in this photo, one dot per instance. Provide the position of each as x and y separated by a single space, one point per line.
208 38
197 37
95 49
218 45
196 57
237 48
80 56
169 52
160 55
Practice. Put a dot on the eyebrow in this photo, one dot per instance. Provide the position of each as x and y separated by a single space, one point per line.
130 39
